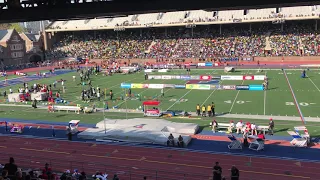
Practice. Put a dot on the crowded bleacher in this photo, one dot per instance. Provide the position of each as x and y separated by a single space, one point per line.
286 31
203 42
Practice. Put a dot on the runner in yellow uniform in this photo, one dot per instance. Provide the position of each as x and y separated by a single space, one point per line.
209 110
203 110
198 109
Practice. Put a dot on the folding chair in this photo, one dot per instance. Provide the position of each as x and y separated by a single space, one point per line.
257 145
235 143
297 141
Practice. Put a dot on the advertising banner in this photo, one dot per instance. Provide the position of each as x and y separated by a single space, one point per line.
145 86
215 87
154 77
248 77
156 86
148 70
177 77
255 88
235 78
125 85
242 87
259 77
204 86
195 77
229 87
216 77
255 85
180 86
169 85
163 70
185 77
201 64
209 82
208 64
166 77
136 86
192 86
205 77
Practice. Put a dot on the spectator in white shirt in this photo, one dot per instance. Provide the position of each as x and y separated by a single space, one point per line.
10 91
239 126
254 129
231 127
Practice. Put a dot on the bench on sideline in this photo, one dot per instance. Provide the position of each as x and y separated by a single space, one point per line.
227 125
76 109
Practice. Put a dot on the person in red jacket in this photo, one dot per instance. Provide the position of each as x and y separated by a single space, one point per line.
46 172
261 136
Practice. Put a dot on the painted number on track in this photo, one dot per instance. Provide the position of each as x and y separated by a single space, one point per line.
180 100
301 104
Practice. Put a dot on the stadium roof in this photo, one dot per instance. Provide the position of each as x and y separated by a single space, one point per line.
31 10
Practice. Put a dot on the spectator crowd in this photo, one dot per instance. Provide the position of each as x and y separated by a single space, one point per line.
11 171
236 40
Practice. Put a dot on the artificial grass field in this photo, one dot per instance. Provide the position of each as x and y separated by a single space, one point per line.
276 101
38 114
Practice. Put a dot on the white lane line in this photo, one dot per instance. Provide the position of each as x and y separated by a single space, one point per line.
237 95
210 95
313 83
264 99
179 99
184 95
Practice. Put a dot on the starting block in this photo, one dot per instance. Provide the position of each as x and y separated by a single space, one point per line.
235 143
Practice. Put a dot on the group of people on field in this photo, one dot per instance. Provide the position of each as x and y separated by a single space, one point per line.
206 111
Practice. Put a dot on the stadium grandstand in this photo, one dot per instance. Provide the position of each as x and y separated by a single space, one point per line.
86 98
199 34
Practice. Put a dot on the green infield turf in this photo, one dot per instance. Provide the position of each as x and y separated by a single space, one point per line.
276 101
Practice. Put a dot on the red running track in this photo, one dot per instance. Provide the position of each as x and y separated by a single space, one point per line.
136 162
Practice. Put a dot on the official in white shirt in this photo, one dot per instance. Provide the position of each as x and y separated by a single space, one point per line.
231 127
239 126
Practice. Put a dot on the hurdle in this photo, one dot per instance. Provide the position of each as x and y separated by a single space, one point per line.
256 144
299 140
235 143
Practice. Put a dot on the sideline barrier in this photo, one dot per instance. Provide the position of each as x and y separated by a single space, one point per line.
242 87
208 77
193 86
256 88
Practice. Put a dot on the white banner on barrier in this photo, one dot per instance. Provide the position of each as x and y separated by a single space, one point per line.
154 77
148 70
163 70
259 77
201 64
236 78
156 86
166 77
